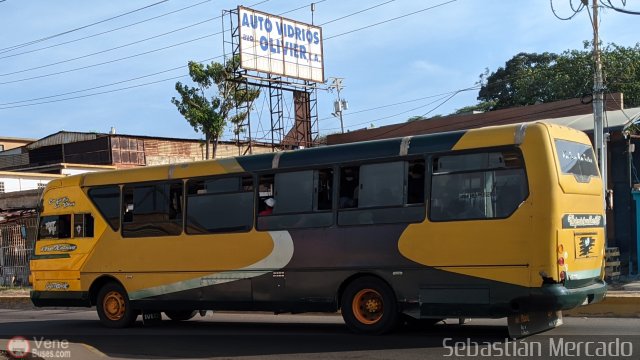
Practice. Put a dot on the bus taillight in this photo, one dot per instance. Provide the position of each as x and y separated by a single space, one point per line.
560 261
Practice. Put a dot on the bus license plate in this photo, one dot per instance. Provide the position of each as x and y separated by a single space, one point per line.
531 323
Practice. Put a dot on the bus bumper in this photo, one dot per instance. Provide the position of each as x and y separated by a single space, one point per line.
563 298
60 298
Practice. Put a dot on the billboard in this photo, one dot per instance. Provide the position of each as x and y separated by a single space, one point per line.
279 46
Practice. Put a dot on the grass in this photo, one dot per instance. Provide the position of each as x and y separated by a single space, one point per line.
14 291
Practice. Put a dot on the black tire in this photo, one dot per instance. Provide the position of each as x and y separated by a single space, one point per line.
114 308
181 315
369 306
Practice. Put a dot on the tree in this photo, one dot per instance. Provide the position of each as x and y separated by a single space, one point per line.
528 78
210 115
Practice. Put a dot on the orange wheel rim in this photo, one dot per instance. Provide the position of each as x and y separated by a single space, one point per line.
368 306
114 305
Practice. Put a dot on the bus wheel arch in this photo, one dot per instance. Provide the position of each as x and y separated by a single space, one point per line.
97 284
368 304
113 305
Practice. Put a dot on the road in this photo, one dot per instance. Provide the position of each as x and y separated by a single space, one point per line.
78 334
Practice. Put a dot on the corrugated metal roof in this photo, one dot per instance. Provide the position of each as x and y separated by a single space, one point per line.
614 119
62 137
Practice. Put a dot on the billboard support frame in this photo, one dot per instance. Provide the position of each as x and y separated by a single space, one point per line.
276 86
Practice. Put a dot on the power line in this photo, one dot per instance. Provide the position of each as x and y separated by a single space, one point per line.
356 13
118 59
389 20
575 10
388 105
625 11
389 116
14 103
94 94
11 48
112 61
107 50
107 31
8 104
377 136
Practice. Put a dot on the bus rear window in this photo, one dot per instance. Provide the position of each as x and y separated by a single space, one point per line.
576 159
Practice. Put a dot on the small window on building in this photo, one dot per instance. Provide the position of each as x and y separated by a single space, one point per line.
107 200
41 186
2 187
54 227
1 147
152 209
219 205
82 225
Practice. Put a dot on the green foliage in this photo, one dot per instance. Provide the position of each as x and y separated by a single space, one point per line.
481 107
209 115
528 78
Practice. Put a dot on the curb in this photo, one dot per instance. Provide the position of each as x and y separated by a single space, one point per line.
616 304
16 302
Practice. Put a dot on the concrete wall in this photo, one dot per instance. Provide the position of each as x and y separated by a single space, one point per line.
16 183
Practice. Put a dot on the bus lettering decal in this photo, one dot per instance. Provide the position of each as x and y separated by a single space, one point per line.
572 221
62 202
57 286
59 247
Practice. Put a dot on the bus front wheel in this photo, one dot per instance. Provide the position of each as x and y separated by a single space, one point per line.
114 308
369 306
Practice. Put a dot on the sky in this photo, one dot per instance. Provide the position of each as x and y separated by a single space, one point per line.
89 66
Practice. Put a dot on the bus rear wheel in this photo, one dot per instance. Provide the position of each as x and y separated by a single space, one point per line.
369 306
114 308
181 315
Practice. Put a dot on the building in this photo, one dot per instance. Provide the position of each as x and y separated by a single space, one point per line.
623 162
63 151
8 143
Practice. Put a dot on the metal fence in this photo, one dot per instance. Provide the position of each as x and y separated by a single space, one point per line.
17 238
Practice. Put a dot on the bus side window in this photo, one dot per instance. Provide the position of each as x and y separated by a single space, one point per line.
265 191
349 187
324 189
219 204
152 209
298 199
54 227
82 226
107 201
484 185
415 182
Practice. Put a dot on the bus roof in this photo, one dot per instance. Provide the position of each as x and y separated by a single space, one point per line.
312 157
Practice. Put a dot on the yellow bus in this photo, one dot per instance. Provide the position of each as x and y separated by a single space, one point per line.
494 222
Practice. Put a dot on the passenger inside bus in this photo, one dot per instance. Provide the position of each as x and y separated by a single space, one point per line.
349 182
270 202
415 183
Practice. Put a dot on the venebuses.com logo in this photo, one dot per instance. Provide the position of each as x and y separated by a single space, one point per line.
18 347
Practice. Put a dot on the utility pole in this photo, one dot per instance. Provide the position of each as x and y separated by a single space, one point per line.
340 104
599 138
